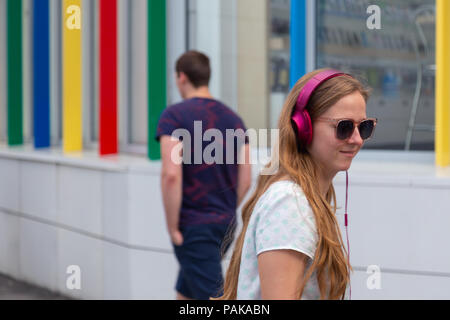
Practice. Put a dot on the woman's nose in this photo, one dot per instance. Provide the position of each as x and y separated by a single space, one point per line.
356 138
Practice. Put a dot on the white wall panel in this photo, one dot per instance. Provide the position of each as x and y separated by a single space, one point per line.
9 244
146 216
116 272
399 228
394 286
9 184
115 197
39 199
38 253
153 275
86 253
79 199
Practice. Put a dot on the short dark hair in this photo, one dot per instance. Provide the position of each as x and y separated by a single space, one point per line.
195 65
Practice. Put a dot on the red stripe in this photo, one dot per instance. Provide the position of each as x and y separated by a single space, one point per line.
108 77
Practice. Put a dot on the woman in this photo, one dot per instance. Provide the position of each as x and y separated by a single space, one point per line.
290 246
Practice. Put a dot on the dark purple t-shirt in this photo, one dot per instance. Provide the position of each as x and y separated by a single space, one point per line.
209 189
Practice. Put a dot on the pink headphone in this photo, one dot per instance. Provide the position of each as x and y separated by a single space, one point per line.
300 117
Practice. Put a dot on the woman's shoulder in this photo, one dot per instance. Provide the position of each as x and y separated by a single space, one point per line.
284 187
283 219
281 192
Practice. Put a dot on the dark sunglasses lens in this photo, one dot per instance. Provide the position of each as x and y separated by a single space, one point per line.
366 129
345 129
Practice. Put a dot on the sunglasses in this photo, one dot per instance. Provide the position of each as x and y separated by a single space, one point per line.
346 127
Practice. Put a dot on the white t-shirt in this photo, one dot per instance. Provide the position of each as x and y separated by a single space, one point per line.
282 219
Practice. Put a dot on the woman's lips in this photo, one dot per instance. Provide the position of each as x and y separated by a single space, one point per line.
349 153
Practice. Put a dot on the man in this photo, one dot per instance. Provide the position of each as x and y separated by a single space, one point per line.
200 196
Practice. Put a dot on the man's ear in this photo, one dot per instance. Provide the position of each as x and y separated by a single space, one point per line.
182 77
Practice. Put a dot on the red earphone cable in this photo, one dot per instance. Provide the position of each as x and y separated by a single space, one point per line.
346 228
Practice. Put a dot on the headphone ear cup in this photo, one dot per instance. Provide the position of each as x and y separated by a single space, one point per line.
300 116
303 127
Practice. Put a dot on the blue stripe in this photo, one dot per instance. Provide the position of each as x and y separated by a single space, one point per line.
41 73
298 40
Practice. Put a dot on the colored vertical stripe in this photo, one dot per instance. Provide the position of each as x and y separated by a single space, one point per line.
298 40
442 135
15 89
41 73
108 77
3 71
72 121
156 70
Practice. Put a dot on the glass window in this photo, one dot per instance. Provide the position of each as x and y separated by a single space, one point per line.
27 83
56 110
132 79
279 56
90 74
138 117
398 61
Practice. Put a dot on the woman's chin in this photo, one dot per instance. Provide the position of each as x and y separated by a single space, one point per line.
345 165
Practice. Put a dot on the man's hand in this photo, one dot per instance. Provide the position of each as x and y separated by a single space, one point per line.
176 237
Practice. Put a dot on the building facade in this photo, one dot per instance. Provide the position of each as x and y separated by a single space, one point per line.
82 84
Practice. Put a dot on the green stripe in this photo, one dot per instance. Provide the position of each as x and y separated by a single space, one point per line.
15 104
156 71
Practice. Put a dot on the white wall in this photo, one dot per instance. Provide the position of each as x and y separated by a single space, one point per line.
398 220
106 215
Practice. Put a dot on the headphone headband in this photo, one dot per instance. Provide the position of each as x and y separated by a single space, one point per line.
312 84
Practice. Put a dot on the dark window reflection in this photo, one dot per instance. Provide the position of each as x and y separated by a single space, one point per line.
279 55
398 62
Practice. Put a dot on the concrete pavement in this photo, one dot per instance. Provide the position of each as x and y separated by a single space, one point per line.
11 289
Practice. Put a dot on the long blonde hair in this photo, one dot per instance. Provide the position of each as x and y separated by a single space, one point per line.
330 260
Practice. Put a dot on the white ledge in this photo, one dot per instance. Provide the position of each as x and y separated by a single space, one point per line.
397 168
86 159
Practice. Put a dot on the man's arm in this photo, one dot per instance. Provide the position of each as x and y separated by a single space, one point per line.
244 174
171 185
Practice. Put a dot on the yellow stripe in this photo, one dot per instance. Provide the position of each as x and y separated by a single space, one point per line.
72 112
442 83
